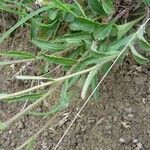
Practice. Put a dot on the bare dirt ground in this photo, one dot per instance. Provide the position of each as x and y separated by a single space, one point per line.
118 120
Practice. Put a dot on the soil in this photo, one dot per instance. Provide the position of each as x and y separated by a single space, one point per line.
118 120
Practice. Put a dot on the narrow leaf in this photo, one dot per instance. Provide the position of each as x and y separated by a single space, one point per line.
21 98
96 6
88 81
124 28
62 6
147 2
84 24
17 54
45 45
144 45
58 60
108 6
75 37
103 31
22 21
139 58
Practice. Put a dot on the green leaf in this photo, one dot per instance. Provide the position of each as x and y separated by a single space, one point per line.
45 45
103 31
20 98
58 60
144 45
17 54
62 6
22 21
75 37
124 28
7 8
80 8
88 81
3 126
52 14
84 24
94 83
108 6
119 44
96 6
62 103
30 145
147 2
139 58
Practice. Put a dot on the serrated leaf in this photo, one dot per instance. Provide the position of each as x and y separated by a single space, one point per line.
147 2
124 28
96 6
144 45
139 58
117 45
103 31
75 37
83 24
45 45
88 81
58 60
108 6
17 54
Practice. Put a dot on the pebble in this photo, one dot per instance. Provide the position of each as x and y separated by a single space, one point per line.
135 141
131 115
139 145
100 121
143 101
139 68
122 140
129 110
20 125
10 132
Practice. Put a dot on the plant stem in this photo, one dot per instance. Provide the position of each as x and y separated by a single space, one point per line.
47 83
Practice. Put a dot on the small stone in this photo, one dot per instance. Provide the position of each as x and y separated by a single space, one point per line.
100 121
143 101
20 125
125 124
130 115
10 132
139 145
139 69
108 127
129 110
135 141
122 140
